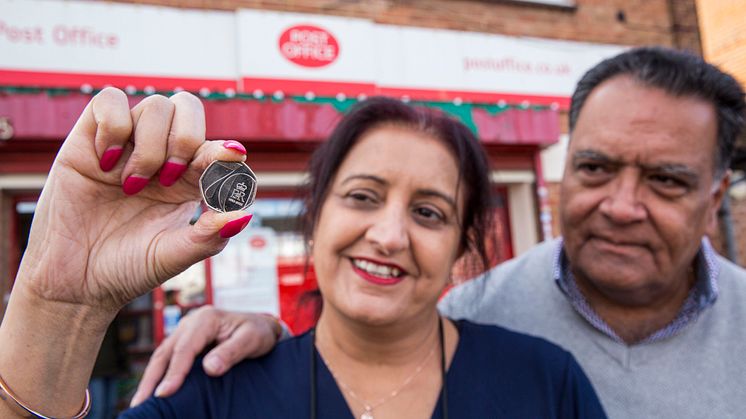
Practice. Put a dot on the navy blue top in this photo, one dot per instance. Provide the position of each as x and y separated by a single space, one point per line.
494 373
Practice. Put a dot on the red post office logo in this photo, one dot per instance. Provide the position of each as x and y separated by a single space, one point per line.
309 46
257 242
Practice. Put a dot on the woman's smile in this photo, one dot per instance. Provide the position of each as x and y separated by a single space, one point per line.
377 272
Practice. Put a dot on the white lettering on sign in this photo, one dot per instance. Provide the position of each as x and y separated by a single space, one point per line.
309 46
308 51
317 37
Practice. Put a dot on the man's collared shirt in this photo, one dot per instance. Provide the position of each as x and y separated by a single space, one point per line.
702 295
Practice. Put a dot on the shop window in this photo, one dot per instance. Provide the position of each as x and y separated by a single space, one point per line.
23 214
265 268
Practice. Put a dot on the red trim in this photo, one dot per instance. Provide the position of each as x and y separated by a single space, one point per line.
209 290
159 298
503 217
473 96
268 87
263 121
326 88
301 87
75 80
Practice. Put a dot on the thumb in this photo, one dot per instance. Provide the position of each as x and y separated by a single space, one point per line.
190 244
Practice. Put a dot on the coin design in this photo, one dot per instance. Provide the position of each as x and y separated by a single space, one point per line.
228 186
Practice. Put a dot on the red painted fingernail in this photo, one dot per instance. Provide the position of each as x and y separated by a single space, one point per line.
235 146
234 227
134 184
110 158
171 172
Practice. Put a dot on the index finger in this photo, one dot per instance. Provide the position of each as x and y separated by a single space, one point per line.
154 371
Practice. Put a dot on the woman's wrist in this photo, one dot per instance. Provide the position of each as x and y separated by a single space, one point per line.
21 409
48 351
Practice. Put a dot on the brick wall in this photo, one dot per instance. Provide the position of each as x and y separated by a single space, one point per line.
724 34
685 26
626 22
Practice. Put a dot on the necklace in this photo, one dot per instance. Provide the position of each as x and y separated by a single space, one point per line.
369 406
368 413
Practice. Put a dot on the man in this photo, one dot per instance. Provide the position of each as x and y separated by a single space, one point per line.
633 289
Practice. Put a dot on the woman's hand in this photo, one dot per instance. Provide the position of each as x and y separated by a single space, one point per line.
111 223
106 229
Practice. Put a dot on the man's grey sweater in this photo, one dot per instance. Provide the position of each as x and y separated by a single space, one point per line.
698 373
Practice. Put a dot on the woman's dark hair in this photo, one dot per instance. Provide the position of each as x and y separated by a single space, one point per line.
477 220
473 167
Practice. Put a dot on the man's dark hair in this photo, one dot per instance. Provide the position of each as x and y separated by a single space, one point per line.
679 74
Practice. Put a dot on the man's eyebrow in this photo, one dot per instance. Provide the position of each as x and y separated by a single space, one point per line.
593 155
674 169
671 169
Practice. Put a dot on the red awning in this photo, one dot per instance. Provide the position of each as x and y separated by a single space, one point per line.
46 116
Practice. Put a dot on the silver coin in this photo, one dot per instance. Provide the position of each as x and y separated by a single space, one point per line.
228 186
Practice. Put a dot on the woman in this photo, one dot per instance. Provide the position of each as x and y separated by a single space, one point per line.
397 196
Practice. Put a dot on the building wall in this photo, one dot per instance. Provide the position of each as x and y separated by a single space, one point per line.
685 26
723 30
622 22
724 34
626 22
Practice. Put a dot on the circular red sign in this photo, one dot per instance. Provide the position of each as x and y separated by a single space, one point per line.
257 242
309 46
